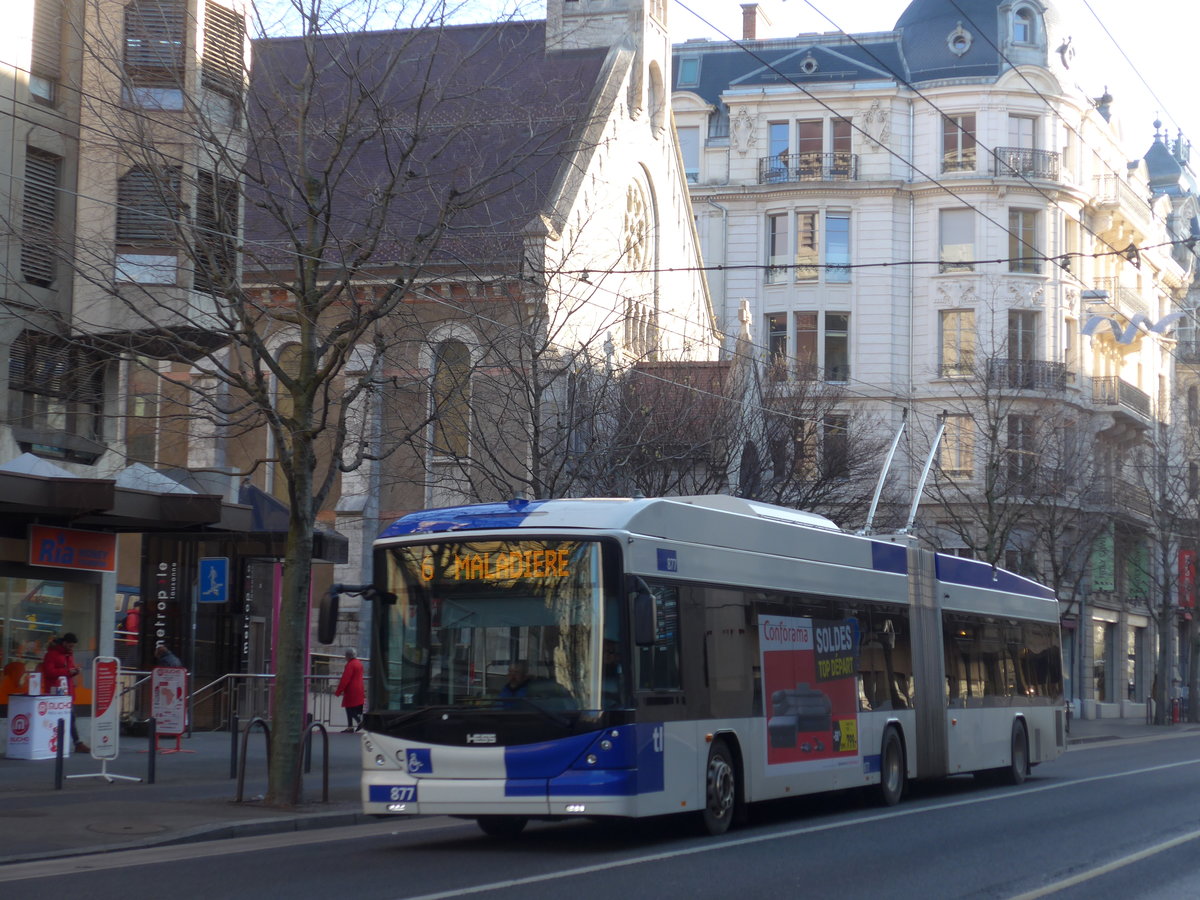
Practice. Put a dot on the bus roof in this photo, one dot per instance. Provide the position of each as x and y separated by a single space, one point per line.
590 513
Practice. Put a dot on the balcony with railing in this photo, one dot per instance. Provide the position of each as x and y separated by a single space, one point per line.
1114 192
1027 163
1028 374
1111 390
783 168
1125 300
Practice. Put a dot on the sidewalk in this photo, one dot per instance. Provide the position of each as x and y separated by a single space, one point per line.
192 795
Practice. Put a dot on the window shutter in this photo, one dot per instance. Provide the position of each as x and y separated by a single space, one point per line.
147 205
223 65
39 215
154 41
216 232
47 39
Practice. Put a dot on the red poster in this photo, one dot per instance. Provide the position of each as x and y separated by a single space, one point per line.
808 671
1187 579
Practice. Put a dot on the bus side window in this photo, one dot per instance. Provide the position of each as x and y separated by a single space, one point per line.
658 663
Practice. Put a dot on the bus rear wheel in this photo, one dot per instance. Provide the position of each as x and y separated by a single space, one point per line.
502 826
1018 766
720 789
891 769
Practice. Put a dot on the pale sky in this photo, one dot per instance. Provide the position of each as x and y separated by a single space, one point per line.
1158 37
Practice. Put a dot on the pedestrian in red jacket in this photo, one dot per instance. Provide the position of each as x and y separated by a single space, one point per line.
350 689
59 662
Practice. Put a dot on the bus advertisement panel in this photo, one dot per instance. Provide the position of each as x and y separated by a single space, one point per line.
808 668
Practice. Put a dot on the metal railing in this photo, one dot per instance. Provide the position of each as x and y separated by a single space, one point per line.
1028 374
1124 299
783 167
1023 161
1112 190
1111 390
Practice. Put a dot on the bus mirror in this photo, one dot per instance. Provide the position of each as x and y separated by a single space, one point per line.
327 615
645 617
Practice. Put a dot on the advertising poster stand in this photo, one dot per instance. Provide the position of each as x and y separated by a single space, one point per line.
168 705
106 722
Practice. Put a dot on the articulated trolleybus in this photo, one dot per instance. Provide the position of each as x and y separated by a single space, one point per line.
637 657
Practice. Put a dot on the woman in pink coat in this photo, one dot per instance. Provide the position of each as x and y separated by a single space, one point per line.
350 689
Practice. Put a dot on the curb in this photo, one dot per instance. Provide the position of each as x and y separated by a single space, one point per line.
215 832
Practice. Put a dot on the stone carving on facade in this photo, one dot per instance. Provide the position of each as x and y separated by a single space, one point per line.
741 132
955 293
1025 295
877 123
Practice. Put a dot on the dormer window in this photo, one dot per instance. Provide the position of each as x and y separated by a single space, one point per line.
1024 26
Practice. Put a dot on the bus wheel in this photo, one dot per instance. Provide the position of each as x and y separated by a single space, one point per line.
502 826
891 769
720 789
1018 766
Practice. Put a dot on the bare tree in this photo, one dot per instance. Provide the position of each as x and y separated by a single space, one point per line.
281 241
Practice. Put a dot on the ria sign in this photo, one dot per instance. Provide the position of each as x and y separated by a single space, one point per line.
1129 332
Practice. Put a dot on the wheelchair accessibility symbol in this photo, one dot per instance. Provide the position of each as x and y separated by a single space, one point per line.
419 762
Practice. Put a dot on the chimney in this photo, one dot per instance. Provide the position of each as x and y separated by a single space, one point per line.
749 21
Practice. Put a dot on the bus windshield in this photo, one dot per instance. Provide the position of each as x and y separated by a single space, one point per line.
501 624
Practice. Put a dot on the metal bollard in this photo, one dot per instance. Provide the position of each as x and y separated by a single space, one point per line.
58 756
152 756
233 745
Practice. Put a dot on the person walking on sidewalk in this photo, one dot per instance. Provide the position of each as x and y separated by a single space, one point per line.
350 689
59 662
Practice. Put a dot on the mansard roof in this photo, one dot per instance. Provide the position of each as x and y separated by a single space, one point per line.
932 40
476 120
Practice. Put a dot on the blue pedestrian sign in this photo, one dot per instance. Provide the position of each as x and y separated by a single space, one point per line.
214 579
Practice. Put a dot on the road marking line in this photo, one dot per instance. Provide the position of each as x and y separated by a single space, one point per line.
1107 867
712 846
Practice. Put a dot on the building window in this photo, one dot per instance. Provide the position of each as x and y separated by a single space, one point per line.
155 41
56 388
807 246
46 55
1023 335
39 217
222 68
1023 252
835 447
1022 456
215 245
777 254
1193 481
148 208
956 453
823 345
451 411
957 342
777 343
1193 406
957 230
688 71
142 423
958 142
1024 31
1022 132
689 149
837 247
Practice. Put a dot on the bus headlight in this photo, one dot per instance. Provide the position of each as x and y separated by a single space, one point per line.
591 759
379 760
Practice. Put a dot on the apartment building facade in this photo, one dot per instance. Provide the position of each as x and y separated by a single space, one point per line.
936 219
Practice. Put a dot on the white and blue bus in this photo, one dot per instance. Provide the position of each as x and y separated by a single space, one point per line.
638 657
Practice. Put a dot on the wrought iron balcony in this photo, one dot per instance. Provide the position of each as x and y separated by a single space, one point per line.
1110 390
783 168
1021 161
1028 374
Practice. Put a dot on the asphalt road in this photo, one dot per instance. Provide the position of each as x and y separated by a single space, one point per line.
1114 820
